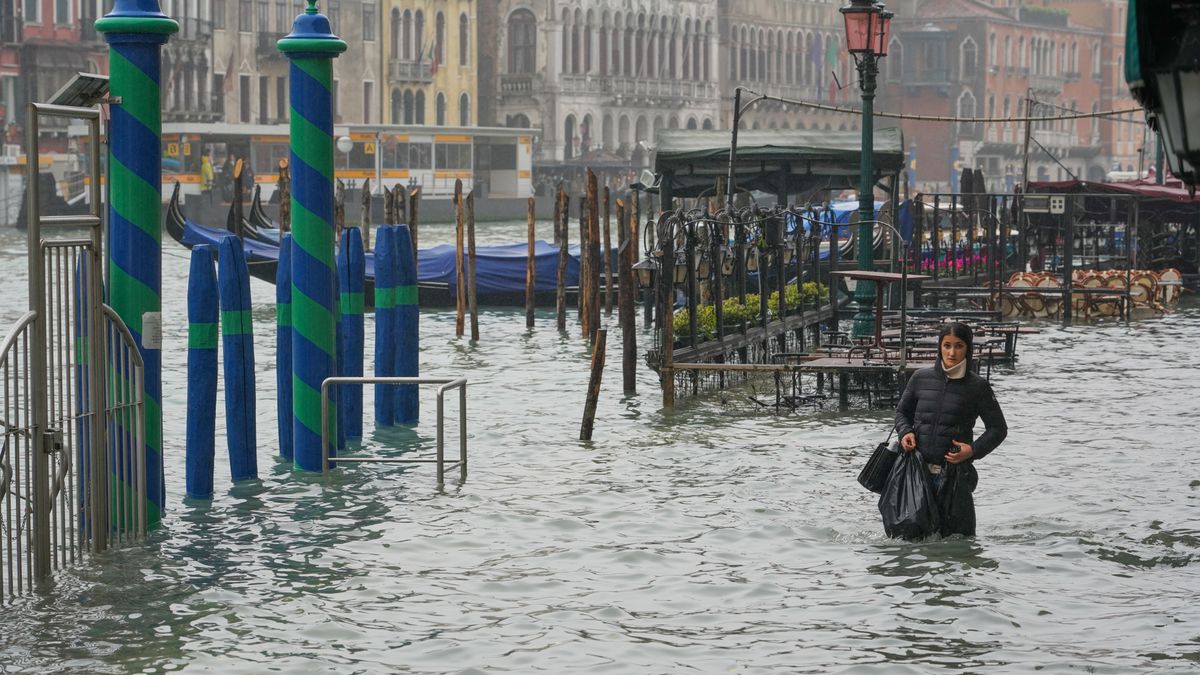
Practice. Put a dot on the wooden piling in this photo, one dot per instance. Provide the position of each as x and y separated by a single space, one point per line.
585 266
364 215
625 308
414 203
459 274
472 296
530 267
607 256
593 395
563 241
285 197
389 206
593 246
339 209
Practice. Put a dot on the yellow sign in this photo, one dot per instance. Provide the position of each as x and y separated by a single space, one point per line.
187 149
172 149
369 148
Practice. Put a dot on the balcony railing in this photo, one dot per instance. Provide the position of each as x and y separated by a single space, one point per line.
192 28
10 30
516 84
266 48
409 71
1046 83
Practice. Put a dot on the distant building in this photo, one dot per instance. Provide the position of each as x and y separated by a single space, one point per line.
431 55
966 58
600 78
250 74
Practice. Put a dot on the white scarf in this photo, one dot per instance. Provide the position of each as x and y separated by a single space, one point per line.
957 371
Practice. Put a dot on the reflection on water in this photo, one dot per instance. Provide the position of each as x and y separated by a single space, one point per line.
693 539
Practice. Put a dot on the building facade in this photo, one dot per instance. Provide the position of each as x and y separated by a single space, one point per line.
793 50
431 51
964 58
250 75
605 75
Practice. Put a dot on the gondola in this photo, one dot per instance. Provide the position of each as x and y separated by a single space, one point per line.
500 270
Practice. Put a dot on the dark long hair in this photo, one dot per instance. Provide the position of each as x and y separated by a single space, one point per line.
961 331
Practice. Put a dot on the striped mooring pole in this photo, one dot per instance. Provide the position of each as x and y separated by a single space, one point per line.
135 31
311 48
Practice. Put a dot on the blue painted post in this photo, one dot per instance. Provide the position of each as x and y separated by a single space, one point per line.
385 323
135 31
283 346
201 374
311 48
408 347
238 339
352 264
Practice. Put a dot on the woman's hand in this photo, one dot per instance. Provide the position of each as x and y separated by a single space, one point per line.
962 453
908 442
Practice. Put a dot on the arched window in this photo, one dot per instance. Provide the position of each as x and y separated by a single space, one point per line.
895 61
464 41
1008 62
569 137
396 106
439 39
418 35
522 42
395 36
968 54
691 123
464 110
420 106
518 121
1021 52
406 40
966 108
409 108
441 109
707 124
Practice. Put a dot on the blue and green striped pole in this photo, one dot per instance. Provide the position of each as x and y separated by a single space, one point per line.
283 345
311 48
385 323
351 275
237 339
407 317
201 374
135 31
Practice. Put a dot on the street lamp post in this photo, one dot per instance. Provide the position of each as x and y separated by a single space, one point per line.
868 24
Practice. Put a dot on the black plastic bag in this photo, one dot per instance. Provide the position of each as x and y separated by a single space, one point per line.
875 473
908 504
955 504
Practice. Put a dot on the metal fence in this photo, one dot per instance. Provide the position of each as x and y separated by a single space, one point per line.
72 459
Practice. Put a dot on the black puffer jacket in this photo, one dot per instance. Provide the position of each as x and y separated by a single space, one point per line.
939 409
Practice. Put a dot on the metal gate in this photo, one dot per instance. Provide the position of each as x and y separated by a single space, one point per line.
72 458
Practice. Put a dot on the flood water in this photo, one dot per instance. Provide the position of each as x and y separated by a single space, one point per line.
704 539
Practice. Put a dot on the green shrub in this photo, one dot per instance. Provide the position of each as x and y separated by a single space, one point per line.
735 312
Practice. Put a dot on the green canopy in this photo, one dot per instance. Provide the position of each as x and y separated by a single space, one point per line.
690 161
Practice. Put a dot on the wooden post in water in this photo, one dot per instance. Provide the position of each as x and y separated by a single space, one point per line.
339 209
593 228
285 197
530 267
389 206
585 266
607 257
364 219
593 394
472 296
625 308
563 241
666 302
414 203
459 275
558 200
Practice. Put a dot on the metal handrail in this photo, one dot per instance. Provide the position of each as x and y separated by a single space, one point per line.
446 383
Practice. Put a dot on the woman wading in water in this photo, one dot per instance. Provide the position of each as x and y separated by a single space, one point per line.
937 413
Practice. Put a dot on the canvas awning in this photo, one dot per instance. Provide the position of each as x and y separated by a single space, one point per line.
690 161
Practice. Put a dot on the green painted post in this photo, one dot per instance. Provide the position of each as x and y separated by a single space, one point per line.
311 48
135 31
